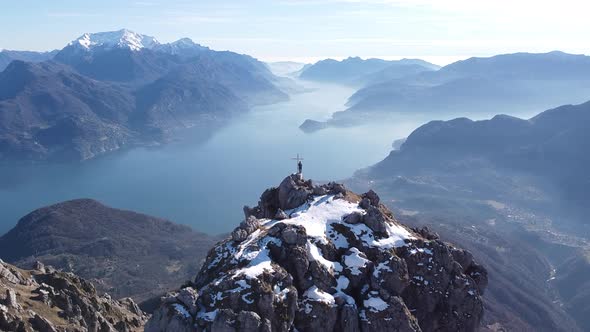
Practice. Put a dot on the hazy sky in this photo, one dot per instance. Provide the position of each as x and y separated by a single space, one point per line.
438 30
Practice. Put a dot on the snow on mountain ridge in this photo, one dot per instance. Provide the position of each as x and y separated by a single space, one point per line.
122 38
312 258
181 46
133 41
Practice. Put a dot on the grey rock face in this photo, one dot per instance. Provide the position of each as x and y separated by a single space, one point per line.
246 228
390 274
188 298
353 218
10 274
41 324
293 192
281 215
373 197
375 220
340 262
349 319
10 300
396 317
239 235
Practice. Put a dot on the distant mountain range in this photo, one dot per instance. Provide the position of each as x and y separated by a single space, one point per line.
108 90
520 82
512 191
286 68
7 56
545 145
359 72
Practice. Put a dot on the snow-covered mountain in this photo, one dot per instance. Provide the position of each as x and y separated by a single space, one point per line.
115 39
133 41
182 47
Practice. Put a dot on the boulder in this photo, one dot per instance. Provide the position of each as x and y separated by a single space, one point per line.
372 197
375 220
10 300
293 192
353 218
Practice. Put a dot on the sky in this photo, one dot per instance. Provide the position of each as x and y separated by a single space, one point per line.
440 31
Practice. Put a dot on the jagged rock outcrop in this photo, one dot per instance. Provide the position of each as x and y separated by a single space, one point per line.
52 301
332 261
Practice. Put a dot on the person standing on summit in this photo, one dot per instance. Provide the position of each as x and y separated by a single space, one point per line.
299 164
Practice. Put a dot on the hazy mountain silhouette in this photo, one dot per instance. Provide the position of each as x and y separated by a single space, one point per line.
7 56
357 71
516 81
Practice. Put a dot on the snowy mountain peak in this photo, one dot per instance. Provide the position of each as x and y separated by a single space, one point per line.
183 46
184 42
116 39
311 258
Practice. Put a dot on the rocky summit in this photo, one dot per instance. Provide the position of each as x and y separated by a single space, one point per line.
321 258
50 301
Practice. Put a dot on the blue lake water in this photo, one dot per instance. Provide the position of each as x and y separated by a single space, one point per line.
205 184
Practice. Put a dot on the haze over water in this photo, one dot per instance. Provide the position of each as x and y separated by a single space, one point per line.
205 184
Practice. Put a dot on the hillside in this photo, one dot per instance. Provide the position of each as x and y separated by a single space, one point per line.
512 191
124 253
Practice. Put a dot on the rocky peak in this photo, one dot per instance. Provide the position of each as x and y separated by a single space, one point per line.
115 39
311 257
48 300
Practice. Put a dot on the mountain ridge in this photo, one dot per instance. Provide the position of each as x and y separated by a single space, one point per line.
358 72
500 187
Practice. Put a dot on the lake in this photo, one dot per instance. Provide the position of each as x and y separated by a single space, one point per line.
205 184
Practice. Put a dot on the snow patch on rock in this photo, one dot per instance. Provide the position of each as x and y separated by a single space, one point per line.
355 261
375 304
